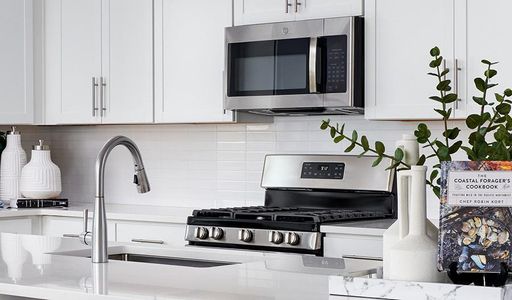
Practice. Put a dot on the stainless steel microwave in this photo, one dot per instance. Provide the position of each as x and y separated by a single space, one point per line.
301 67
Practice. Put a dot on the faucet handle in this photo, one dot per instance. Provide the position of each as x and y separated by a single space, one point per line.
86 219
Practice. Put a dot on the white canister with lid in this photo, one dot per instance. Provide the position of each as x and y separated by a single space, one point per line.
40 178
12 161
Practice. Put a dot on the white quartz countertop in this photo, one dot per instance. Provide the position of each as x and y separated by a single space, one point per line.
27 270
144 213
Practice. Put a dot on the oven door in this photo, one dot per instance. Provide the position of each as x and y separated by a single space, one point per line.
273 66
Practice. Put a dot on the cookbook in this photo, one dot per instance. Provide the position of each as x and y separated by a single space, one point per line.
475 216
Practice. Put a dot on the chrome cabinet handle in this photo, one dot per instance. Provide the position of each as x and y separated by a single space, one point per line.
102 96
456 79
297 4
287 7
313 43
71 235
94 91
148 241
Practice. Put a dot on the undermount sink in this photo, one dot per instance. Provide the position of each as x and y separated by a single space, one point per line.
174 261
192 259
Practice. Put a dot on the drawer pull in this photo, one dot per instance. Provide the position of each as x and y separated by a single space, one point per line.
71 235
148 241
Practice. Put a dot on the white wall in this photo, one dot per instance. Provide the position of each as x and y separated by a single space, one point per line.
198 165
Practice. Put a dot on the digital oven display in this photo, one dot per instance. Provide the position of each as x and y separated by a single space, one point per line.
319 170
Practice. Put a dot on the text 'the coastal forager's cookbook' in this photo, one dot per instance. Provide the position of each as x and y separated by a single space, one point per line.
476 215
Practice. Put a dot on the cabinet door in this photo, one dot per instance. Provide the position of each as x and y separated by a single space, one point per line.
128 61
316 9
69 226
16 95
21 226
72 59
263 11
484 40
151 233
191 58
399 35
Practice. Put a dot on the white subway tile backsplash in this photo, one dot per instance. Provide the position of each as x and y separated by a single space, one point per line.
200 165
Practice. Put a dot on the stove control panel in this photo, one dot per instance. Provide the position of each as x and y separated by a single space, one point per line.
254 237
321 170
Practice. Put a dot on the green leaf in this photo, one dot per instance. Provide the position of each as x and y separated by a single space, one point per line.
452 133
436 62
508 92
364 142
455 147
399 154
444 85
444 72
480 100
435 52
469 152
379 147
490 73
333 132
437 191
433 175
421 160
324 125
432 74
480 84
377 161
485 61
338 139
436 98
362 154
449 98
354 135
503 108
499 97
351 147
443 153
473 121
491 85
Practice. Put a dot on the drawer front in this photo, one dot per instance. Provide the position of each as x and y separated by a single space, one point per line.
22 226
151 233
71 227
353 245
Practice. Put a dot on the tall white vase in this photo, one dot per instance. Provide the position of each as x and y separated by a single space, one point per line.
40 178
410 147
413 256
12 161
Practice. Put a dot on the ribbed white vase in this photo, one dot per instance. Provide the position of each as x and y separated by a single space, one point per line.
12 161
40 178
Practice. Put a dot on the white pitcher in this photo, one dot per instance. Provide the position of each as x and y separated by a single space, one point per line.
410 147
413 257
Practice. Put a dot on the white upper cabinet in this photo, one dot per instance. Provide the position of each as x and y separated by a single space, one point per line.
189 60
98 61
72 60
398 37
486 35
128 61
16 75
268 11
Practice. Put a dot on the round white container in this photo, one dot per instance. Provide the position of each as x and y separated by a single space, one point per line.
40 178
12 161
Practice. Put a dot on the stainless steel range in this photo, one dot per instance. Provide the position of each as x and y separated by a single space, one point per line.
302 192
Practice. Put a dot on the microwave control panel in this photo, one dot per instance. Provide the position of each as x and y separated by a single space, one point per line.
322 170
336 64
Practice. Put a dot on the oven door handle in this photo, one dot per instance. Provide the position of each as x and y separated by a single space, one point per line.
313 46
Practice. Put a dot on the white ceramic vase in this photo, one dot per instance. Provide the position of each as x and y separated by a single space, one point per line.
41 178
12 161
413 257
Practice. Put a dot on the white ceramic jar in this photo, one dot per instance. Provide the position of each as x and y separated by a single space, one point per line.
40 178
12 161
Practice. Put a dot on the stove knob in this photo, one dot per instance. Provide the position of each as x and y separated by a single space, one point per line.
275 237
245 235
201 233
292 238
216 233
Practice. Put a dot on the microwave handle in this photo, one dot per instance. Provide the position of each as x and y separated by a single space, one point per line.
313 46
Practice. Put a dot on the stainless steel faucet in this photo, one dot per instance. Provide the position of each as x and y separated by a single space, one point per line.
99 234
